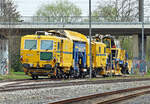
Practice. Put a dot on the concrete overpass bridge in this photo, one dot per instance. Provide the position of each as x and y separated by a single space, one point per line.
114 28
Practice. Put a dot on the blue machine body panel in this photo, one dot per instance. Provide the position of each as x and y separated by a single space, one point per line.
79 55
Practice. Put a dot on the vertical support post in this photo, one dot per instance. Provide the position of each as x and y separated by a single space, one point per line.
116 6
111 65
141 19
90 32
143 41
143 30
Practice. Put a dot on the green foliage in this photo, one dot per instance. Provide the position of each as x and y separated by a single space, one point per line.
109 12
14 75
8 11
15 63
148 49
119 10
59 9
126 44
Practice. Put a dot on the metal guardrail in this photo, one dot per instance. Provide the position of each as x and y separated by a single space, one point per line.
77 23
74 20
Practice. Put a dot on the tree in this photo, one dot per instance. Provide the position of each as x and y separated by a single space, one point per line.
117 10
106 13
8 11
59 11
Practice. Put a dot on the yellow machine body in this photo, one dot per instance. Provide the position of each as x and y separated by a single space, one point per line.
118 57
37 60
99 55
61 52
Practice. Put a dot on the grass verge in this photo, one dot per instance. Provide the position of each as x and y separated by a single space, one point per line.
14 75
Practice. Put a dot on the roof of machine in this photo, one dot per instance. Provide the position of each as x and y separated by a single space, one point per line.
61 33
70 34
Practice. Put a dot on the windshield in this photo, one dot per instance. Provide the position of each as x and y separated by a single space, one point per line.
114 53
46 45
107 42
30 44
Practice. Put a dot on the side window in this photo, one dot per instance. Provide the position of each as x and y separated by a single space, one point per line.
107 42
46 45
99 49
58 46
30 44
104 49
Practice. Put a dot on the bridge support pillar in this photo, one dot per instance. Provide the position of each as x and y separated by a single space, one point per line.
3 55
140 45
135 46
14 52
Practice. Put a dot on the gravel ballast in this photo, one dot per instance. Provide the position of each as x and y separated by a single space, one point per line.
47 95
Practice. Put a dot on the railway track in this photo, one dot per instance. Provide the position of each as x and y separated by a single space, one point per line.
81 100
129 78
119 99
26 86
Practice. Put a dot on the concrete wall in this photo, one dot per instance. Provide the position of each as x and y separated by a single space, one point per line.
3 56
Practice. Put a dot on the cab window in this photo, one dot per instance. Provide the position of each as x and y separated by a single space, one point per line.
46 45
30 44
107 42
104 50
58 46
99 49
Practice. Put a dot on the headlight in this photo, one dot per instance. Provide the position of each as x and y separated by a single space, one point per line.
31 65
21 58
84 70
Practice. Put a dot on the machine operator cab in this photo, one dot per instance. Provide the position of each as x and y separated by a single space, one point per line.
38 54
109 41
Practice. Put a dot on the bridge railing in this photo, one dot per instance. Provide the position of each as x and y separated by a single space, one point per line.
81 20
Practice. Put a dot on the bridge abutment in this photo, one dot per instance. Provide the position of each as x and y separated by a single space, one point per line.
137 46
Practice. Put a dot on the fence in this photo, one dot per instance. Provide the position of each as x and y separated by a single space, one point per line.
67 19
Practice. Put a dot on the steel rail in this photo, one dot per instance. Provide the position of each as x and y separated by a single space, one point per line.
73 100
119 99
16 87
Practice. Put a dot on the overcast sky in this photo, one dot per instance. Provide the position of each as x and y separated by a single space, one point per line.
29 7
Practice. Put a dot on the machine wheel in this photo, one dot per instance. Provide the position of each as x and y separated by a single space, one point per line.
104 76
76 75
33 76
127 72
66 76
36 77
93 74
83 75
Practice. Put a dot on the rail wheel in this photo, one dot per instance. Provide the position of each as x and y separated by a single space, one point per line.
34 76
94 74
66 76
104 75
76 75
